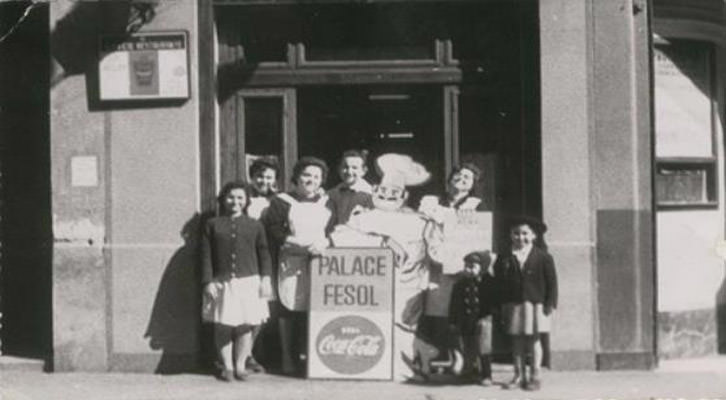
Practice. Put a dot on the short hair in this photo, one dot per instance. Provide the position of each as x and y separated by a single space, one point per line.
260 165
470 166
362 154
230 186
307 161
535 224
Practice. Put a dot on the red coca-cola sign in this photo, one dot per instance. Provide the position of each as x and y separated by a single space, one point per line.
350 344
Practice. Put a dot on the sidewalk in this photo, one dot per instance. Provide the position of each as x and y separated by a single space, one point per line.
697 380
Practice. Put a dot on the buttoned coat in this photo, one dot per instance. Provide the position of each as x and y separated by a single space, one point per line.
234 246
462 312
535 281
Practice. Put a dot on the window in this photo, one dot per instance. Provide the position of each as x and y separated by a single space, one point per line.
680 183
684 125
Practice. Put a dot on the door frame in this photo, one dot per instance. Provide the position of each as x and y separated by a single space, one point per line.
232 129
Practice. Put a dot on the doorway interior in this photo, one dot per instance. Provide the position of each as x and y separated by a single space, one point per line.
380 119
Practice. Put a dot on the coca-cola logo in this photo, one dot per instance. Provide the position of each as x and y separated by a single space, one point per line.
350 344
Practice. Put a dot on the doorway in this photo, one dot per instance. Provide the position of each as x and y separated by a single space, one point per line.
381 119
26 236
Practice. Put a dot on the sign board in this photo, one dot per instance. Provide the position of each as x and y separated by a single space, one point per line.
149 65
464 232
351 314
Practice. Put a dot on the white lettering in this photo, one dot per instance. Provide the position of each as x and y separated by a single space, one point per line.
361 345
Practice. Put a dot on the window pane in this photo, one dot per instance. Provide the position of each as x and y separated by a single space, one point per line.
683 100
263 127
263 31
368 32
684 184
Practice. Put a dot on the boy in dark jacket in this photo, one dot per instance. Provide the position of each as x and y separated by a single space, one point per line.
472 303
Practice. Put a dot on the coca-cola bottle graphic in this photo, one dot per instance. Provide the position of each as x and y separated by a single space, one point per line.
144 71
144 68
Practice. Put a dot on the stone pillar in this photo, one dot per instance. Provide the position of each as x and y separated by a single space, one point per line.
596 178
623 190
567 177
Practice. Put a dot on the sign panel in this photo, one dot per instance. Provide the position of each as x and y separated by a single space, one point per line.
150 65
464 232
351 314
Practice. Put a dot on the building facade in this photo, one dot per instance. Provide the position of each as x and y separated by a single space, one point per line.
555 100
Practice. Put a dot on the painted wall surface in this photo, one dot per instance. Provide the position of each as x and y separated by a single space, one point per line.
154 200
690 272
79 275
125 283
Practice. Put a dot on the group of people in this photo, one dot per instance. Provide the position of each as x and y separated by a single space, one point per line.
249 249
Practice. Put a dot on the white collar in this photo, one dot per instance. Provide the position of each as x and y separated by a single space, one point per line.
522 254
361 185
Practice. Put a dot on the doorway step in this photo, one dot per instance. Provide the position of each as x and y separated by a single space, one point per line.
12 363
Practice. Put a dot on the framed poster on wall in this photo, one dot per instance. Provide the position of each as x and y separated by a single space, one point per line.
148 65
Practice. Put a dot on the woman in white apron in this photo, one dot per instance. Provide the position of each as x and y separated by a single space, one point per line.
295 223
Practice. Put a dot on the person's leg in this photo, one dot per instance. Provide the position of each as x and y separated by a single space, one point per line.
484 349
517 361
536 360
252 363
242 349
223 342
286 344
469 353
299 346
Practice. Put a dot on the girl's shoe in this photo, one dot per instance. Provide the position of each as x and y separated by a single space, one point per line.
486 382
254 366
240 375
533 385
225 375
514 383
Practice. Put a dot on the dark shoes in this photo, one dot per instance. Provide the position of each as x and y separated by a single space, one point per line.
486 382
515 383
240 375
254 366
225 375
532 385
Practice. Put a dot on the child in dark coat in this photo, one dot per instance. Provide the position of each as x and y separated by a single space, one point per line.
472 303
527 287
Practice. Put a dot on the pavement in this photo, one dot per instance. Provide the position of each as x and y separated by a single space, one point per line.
692 379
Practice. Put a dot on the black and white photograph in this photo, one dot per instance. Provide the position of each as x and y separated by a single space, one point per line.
363 199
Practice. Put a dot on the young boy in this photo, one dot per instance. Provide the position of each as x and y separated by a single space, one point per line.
353 193
472 302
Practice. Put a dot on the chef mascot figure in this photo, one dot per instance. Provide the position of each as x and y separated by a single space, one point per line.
411 236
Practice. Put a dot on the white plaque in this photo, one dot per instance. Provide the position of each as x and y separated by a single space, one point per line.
84 171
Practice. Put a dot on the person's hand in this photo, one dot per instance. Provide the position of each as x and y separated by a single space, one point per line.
318 247
547 310
265 288
211 289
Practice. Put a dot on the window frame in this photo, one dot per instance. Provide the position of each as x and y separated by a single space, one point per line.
708 163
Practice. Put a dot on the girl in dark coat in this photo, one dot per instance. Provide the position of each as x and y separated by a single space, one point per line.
527 284
236 277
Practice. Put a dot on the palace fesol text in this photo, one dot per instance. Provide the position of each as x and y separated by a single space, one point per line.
351 294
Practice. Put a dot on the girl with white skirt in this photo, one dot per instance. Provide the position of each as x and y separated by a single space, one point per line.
236 271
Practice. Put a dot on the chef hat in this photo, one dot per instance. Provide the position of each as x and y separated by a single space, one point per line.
401 170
